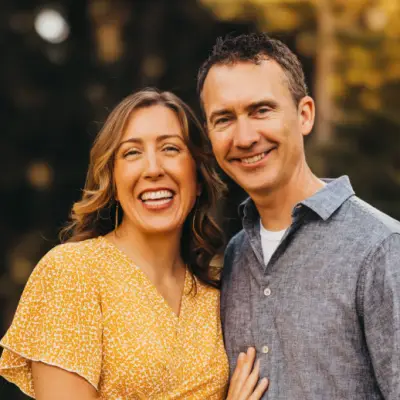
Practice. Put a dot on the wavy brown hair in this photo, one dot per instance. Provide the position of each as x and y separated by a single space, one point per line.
93 215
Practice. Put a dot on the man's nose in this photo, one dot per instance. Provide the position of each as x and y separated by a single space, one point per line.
153 167
245 135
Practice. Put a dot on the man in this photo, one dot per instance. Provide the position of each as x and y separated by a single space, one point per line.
313 279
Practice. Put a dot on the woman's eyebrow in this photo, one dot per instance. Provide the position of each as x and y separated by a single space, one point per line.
159 139
169 136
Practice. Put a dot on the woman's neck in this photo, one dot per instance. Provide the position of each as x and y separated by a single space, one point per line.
157 254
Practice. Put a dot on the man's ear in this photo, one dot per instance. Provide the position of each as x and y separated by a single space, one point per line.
306 113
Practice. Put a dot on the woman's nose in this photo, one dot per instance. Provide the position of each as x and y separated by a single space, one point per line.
153 167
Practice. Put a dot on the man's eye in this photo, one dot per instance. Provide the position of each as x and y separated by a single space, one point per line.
262 111
221 121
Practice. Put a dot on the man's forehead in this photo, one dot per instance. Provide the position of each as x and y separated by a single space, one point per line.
241 82
259 66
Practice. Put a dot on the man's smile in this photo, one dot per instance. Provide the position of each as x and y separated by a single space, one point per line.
254 159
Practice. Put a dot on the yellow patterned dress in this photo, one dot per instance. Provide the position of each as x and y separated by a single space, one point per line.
88 309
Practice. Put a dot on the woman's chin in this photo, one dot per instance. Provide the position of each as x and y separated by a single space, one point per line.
161 226
167 222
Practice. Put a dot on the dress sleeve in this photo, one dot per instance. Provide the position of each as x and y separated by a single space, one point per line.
58 322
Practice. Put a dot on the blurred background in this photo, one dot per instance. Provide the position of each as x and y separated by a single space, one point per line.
66 63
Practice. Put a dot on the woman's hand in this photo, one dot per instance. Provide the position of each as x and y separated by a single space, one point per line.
245 377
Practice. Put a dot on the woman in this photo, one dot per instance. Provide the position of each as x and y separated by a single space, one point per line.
128 309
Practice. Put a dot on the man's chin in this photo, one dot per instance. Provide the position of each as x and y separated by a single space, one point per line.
257 189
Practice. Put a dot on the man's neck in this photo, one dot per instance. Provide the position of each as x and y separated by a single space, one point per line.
275 207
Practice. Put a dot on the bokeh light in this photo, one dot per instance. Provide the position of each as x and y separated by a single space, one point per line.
51 26
39 175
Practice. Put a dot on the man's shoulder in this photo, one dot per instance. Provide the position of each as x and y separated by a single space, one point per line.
234 249
233 257
377 222
236 242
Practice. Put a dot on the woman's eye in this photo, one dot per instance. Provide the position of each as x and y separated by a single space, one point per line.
131 153
171 149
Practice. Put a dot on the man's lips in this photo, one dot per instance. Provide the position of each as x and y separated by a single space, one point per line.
252 158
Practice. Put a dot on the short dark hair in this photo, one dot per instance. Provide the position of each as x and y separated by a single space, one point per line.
254 47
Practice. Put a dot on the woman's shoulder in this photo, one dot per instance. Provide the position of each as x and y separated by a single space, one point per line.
78 257
75 250
203 290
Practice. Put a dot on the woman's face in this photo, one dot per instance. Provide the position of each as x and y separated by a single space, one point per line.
154 172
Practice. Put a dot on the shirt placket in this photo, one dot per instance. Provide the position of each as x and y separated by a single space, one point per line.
264 292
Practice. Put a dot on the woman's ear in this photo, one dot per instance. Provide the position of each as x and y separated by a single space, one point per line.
199 189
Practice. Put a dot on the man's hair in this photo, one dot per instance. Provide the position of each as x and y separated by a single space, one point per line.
255 47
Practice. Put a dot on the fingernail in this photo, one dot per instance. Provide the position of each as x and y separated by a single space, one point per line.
264 380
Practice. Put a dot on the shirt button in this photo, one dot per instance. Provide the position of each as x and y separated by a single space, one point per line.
265 349
267 291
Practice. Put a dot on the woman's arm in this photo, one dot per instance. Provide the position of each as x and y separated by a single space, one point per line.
53 383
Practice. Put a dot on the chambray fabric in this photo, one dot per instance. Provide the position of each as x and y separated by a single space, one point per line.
329 325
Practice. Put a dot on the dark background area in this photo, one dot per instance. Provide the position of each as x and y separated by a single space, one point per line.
54 97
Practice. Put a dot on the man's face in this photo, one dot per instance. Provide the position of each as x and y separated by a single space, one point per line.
255 128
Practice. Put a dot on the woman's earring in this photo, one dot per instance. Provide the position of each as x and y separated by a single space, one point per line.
116 215
194 230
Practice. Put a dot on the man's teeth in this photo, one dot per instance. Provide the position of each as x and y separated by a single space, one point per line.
160 194
251 160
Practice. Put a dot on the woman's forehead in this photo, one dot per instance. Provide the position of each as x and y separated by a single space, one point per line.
149 123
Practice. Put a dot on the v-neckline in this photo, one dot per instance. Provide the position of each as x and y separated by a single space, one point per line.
186 283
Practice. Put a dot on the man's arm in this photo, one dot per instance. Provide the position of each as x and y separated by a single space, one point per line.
380 308
225 276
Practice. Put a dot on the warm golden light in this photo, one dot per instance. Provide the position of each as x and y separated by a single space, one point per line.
40 175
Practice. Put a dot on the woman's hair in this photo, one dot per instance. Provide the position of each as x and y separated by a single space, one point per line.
93 215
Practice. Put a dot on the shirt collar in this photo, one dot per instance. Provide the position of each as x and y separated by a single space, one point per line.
328 199
324 203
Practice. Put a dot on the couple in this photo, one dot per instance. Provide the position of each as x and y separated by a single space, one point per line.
129 308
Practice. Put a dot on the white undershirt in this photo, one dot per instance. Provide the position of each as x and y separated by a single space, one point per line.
269 241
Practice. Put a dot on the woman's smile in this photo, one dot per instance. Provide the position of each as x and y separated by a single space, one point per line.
157 199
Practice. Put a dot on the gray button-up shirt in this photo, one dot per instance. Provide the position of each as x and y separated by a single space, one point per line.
324 313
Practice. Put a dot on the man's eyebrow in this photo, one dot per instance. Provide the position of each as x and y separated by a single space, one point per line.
262 103
249 108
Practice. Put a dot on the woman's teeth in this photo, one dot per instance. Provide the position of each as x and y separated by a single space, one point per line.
159 196
158 202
